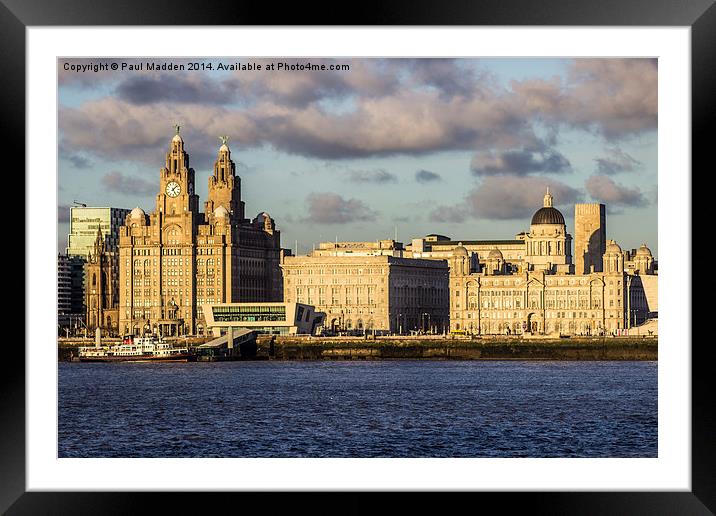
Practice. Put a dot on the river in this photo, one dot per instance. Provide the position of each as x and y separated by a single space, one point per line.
401 408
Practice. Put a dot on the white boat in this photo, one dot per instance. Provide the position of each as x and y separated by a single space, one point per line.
136 349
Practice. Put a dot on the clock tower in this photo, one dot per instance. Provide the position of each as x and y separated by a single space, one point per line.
177 259
176 196
225 186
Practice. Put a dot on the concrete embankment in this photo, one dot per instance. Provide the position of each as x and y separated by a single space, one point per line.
292 348
386 348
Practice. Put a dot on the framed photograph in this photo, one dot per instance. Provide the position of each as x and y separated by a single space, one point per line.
415 253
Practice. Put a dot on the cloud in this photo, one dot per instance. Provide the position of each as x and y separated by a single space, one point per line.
447 75
380 107
425 176
507 197
613 97
117 182
514 197
456 214
616 161
377 176
147 89
604 189
520 162
331 208
78 161
63 214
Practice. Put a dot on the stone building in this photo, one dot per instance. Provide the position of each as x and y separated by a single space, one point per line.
379 248
590 237
178 258
547 246
370 293
101 288
529 285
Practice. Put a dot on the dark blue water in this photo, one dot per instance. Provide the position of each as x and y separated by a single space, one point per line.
359 409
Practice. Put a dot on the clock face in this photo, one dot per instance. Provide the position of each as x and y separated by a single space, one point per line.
173 189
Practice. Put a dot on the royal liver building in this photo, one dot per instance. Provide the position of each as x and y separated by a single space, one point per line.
178 258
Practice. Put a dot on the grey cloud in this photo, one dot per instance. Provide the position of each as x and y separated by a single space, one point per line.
331 208
79 161
386 125
513 197
614 97
117 182
604 189
146 89
455 214
447 75
388 113
616 161
520 162
377 176
425 176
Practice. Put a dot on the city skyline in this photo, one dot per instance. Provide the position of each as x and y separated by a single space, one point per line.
462 147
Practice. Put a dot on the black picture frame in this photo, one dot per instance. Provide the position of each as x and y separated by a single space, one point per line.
700 15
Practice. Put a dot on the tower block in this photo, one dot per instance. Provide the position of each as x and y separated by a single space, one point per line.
590 237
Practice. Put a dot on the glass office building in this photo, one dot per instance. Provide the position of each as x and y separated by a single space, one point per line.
84 222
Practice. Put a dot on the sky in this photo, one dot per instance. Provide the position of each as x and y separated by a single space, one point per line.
460 147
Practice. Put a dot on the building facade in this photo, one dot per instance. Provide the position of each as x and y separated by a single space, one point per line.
178 258
70 293
371 293
379 248
530 285
101 273
590 237
264 318
84 224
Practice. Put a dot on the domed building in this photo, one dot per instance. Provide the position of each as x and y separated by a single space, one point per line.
495 262
643 260
548 245
178 258
530 286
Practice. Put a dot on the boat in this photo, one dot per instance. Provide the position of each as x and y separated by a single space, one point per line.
136 349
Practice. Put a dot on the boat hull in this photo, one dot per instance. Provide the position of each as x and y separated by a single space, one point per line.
144 358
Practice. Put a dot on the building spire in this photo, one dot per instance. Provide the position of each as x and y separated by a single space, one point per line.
548 199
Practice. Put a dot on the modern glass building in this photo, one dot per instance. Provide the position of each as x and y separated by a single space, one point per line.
84 223
267 318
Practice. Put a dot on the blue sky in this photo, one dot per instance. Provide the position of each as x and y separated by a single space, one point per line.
461 147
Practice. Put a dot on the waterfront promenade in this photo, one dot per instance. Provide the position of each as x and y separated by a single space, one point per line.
497 347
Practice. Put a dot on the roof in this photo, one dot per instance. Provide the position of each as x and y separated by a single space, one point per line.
480 242
548 215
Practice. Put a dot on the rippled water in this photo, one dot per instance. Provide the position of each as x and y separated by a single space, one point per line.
410 408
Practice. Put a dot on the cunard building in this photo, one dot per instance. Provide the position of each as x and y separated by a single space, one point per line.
178 258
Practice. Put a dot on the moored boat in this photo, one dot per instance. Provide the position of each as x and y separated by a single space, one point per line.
140 349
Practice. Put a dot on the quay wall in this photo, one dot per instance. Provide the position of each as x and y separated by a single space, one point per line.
436 348
292 348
